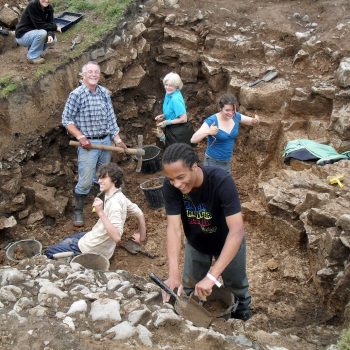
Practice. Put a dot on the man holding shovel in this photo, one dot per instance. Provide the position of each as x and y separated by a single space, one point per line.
89 117
205 201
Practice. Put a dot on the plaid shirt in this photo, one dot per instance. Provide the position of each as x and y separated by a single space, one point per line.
92 113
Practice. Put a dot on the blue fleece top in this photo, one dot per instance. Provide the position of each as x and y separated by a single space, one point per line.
221 145
173 105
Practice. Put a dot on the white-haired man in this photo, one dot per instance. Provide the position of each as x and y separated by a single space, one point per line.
89 117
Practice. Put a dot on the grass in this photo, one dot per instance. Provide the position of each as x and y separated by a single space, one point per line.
100 17
7 85
344 341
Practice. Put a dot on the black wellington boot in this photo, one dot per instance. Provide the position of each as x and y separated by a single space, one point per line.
78 220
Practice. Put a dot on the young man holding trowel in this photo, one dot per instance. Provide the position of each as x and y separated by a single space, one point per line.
205 201
89 117
112 213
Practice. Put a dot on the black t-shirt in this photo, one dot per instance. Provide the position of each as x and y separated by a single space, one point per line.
204 210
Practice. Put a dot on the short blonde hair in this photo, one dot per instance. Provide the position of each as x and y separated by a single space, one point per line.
173 79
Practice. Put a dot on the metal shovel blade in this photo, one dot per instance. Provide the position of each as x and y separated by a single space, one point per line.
269 75
189 309
186 307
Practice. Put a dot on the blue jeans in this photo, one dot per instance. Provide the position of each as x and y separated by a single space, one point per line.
88 164
69 244
36 41
223 164
197 265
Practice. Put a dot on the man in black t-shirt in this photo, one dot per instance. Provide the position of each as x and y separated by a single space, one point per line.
205 201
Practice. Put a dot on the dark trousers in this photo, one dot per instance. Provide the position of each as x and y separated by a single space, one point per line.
234 276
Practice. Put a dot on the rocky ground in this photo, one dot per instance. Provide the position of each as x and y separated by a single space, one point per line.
297 224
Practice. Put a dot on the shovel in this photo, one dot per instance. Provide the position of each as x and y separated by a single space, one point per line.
269 75
134 248
186 307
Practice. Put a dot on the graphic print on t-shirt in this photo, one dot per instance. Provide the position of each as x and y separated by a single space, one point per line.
197 214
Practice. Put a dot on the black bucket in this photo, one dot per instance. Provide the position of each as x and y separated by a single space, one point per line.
151 160
153 190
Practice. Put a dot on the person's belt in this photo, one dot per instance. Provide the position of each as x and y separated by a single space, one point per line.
97 137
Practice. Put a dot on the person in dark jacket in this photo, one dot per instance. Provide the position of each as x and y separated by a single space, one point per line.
36 29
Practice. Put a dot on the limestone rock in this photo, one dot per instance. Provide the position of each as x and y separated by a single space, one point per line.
123 330
340 120
181 36
34 217
46 199
344 222
8 17
105 309
342 74
177 51
100 52
7 222
11 206
138 30
268 97
132 77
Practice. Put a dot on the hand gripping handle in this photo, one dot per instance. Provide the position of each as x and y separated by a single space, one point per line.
162 285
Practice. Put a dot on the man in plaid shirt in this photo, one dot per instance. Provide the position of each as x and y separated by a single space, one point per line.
89 117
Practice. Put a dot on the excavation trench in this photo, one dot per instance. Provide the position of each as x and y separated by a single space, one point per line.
38 166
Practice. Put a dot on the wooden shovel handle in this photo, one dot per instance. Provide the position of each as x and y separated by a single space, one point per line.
133 151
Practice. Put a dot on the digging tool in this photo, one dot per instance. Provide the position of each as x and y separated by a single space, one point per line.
186 307
134 248
269 75
336 180
77 40
138 152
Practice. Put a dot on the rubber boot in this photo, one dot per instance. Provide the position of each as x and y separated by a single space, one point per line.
78 210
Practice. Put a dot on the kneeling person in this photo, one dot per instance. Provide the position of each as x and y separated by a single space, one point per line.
36 29
112 212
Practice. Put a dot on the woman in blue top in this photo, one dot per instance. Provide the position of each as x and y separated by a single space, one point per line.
222 128
174 121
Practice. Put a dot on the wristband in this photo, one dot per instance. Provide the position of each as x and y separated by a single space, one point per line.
213 279
80 137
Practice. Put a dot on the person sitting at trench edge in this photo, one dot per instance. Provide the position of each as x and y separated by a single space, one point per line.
112 212
36 28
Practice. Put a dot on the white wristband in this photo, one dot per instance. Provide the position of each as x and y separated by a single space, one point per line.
80 137
212 278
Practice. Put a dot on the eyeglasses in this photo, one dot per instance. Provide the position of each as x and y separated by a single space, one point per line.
89 72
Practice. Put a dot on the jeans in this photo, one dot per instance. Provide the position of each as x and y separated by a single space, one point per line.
223 164
88 164
197 265
36 41
69 244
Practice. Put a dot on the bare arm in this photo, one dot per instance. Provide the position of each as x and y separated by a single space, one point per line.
232 244
180 119
140 235
74 131
112 231
204 131
174 234
249 120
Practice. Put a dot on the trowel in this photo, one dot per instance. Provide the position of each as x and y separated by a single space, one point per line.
134 248
269 75
77 40
186 307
